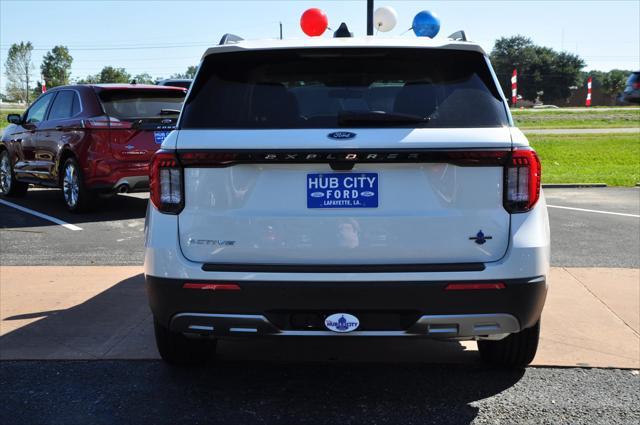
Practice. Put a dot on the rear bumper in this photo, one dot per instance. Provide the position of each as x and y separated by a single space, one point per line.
424 309
109 175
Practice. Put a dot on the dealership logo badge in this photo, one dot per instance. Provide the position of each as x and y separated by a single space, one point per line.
341 135
342 322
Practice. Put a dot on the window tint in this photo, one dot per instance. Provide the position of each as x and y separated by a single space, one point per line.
75 108
177 83
129 104
63 105
39 108
318 88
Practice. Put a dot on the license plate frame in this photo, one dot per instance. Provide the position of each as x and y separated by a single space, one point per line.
342 190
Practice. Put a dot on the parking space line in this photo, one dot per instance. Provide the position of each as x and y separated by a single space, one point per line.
40 215
594 211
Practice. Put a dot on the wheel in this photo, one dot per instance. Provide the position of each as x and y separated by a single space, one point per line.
517 350
9 186
175 348
76 197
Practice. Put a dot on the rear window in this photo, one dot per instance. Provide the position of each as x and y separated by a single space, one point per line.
328 88
178 83
141 103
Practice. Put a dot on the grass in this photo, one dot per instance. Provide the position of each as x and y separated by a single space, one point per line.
570 158
613 159
3 116
579 118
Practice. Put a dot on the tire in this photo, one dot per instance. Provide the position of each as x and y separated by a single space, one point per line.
75 195
515 351
177 349
9 186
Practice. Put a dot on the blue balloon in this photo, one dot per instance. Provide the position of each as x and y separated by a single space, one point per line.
426 24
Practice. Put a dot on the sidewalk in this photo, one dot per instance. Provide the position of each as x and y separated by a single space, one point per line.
632 130
592 319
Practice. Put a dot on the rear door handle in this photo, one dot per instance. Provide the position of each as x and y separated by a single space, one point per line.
59 127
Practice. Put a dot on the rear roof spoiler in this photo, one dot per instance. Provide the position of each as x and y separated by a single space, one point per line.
458 36
230 39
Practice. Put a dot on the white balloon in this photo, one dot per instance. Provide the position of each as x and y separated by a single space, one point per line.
385 18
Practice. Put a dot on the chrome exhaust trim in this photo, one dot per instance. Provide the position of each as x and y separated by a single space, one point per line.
460 327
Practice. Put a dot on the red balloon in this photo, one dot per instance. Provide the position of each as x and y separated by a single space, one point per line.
314 22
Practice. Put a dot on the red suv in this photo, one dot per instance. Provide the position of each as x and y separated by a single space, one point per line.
87 139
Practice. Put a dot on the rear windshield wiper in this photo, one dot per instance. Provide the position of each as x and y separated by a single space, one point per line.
378 117
169 111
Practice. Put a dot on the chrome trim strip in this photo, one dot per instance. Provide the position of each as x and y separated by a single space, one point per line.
201 328
461 326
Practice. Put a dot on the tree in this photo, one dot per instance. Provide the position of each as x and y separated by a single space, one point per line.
18 68
614 82
144 78
108 74
56 66
190 73
539 68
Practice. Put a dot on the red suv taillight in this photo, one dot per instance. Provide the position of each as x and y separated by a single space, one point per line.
165 183
522 180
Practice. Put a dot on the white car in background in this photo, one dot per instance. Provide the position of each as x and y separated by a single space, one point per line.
346 187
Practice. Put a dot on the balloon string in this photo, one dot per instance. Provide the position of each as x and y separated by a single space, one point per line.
407 31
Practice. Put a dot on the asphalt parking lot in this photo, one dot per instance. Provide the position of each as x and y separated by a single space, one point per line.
297 383
114 233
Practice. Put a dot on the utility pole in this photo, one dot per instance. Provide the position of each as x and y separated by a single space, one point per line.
369 17
280 30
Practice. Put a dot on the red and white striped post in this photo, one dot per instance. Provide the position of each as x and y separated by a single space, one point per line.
44 85
514 87
588 102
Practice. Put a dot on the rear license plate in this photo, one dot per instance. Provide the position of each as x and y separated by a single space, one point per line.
159 136
342 190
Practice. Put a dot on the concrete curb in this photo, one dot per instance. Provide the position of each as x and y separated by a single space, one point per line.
572 185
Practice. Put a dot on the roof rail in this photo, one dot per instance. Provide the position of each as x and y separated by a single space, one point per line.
458 36
230 39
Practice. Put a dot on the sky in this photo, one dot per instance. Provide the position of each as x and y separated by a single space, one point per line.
165 37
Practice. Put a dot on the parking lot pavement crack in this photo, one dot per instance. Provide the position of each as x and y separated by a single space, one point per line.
133 328
593 294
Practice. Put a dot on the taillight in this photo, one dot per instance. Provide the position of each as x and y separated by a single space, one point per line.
165 183
636 85
106 122
522 180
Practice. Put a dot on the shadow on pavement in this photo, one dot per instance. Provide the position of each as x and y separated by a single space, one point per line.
149 392
337 380
49 202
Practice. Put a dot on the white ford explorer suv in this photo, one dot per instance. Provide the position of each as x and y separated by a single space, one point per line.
346 187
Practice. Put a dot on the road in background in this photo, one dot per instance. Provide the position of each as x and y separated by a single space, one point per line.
114 233
588 239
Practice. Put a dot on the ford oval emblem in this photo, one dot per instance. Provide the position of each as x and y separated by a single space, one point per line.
342 322
341 135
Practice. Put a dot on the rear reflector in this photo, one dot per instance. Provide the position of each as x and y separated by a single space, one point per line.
474 286
212 286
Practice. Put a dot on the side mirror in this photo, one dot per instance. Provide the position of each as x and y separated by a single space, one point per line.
14 119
